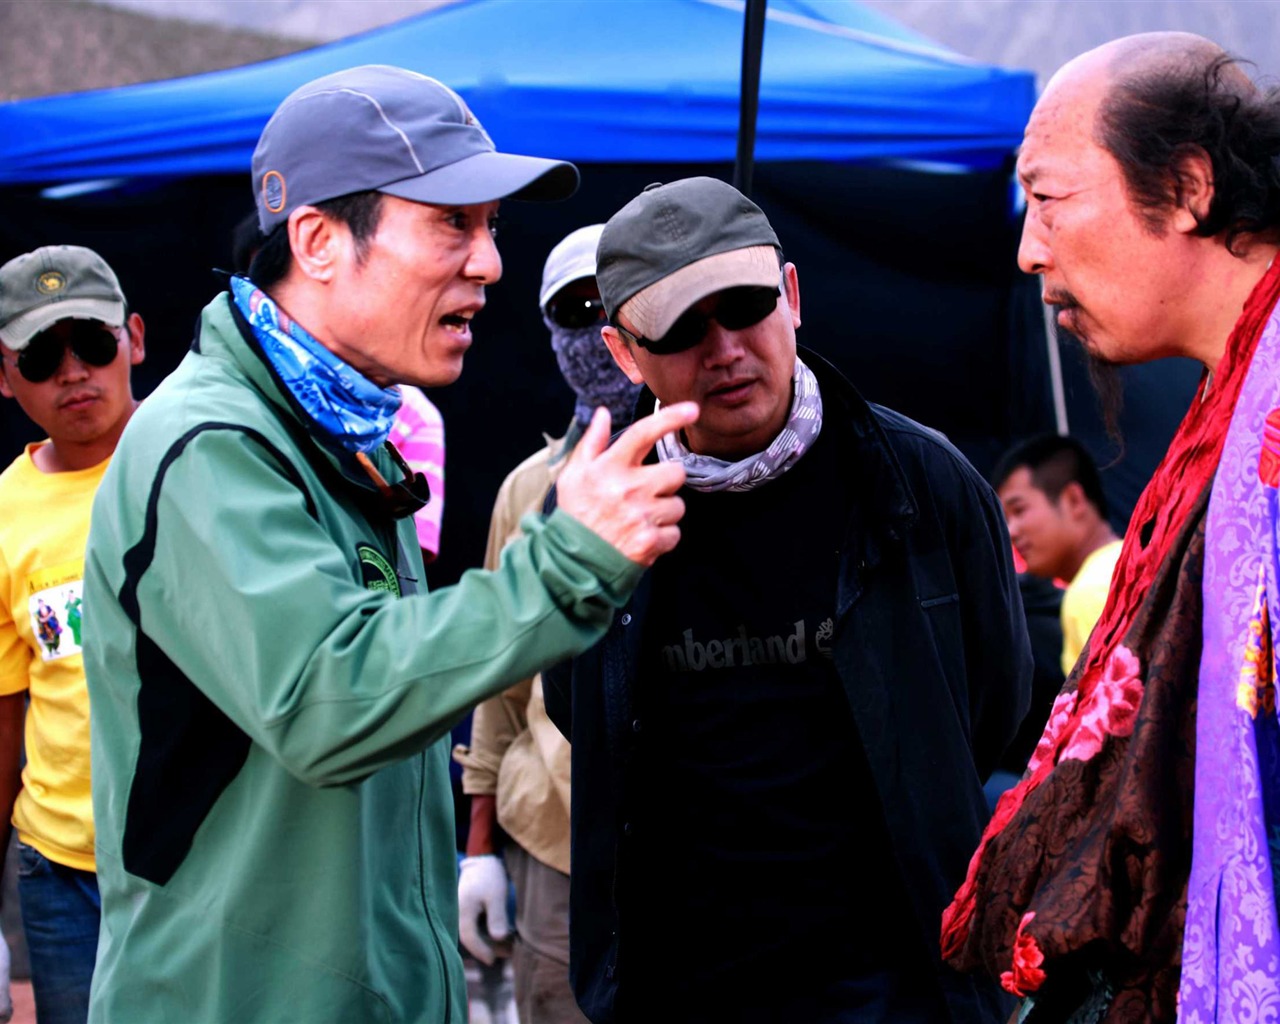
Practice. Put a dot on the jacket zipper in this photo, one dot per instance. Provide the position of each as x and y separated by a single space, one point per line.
422 892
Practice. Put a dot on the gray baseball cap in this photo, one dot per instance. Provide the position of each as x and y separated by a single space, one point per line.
675 244
573 258
56 282
387 129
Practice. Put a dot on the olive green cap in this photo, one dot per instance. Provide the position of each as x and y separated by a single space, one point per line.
56 282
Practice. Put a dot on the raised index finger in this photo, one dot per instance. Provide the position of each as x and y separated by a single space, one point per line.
634 443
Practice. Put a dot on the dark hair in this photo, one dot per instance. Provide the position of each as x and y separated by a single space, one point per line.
246 240
359 211
1157 116
1054 461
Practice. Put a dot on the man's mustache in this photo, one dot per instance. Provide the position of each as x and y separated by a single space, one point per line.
1062 299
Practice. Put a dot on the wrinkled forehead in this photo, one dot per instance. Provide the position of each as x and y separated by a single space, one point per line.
1061 132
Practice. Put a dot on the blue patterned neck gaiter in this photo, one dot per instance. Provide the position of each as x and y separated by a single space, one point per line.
342 402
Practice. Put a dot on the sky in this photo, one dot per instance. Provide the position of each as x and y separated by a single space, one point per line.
1036 34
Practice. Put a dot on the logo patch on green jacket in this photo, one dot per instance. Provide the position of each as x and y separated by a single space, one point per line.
376 571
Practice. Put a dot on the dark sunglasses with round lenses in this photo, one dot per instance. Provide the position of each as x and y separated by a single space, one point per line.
575 311
94 344
736 309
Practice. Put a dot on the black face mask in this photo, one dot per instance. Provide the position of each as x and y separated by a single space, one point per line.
589 369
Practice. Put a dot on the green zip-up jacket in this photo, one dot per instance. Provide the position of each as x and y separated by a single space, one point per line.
271 704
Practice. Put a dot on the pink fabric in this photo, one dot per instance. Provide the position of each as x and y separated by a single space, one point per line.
418 432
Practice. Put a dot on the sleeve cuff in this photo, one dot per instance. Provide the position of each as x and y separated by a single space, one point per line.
616 572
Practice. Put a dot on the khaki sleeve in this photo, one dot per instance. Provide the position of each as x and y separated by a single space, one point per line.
499 720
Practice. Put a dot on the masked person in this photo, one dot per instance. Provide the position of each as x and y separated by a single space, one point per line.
516 769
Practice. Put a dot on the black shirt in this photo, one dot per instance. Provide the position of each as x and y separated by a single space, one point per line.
757 826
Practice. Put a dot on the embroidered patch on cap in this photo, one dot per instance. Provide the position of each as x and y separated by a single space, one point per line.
273 191
51 282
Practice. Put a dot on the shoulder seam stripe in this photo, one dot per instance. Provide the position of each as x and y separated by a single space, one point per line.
138 558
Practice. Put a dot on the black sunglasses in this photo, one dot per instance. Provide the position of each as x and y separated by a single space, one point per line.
735 310
575 312
92 343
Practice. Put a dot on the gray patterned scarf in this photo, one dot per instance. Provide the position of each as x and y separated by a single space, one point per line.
707 473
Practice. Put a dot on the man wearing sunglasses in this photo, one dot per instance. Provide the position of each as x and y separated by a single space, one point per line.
516 769
67 344
778 749
272 687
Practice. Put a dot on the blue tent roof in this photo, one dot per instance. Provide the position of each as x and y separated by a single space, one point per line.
624 81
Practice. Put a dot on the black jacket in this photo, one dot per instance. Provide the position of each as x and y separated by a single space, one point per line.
931 644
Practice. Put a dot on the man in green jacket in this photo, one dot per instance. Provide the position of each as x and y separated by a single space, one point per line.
271 690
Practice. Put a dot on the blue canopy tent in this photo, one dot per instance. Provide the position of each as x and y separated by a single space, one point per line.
627 81
906 265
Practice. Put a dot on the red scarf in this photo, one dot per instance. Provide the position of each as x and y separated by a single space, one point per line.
1182 476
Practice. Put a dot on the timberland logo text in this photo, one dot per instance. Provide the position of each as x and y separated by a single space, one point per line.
743 651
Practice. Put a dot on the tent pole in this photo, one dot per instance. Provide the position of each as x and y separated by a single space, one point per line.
1055 366
749 98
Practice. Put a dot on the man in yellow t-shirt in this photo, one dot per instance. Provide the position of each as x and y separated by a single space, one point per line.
67 344
1057 515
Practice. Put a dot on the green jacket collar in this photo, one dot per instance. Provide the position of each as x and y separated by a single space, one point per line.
225 334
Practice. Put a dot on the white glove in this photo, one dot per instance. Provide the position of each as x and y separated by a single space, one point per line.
482 890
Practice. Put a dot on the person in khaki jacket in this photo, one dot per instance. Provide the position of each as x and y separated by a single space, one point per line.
516 770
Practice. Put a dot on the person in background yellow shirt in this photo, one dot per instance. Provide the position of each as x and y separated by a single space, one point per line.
67 345
1057 515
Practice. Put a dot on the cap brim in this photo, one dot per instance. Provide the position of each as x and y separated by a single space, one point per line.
21 329
484 177
653 310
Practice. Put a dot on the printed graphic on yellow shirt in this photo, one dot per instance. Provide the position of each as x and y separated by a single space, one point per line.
54 606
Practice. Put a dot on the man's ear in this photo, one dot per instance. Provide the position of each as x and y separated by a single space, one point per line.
5 390
137 334
1195 189
1072 501
317 241
792 285
620 349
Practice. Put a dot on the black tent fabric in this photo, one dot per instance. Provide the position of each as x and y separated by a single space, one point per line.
907 282
908 276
